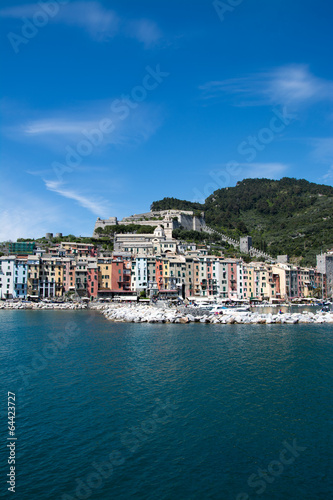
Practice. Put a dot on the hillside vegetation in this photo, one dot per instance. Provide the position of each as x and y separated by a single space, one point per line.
288 216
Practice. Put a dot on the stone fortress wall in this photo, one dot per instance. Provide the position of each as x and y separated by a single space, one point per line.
168 219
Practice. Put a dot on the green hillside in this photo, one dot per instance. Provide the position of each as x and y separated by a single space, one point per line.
287 216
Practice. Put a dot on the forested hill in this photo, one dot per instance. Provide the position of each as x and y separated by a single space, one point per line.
286 216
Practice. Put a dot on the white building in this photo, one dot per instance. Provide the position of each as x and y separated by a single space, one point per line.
139 276
145 244
7 277
240 281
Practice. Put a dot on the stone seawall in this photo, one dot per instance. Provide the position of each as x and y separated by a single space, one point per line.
140 313
151 314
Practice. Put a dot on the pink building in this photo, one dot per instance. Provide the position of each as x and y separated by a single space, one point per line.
92 280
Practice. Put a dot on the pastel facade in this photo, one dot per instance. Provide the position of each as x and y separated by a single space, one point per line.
51 277
69 267
139 274
104 273
194 273
33 276
92 280
20 278
7 277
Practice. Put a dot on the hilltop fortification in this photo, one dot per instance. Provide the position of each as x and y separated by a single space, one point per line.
168 219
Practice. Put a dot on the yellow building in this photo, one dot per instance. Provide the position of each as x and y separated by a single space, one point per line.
33 276
250 281
51 277
104 273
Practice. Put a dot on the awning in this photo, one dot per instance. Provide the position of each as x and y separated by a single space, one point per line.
133 297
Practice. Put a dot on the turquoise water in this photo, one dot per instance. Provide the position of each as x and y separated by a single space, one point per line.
128 411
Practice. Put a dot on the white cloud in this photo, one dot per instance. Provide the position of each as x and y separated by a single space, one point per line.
61 129
322 153
322 149
259 170
328 177
100 23
97 207
291 85
57 126
295 84
19 11
144 31
27 215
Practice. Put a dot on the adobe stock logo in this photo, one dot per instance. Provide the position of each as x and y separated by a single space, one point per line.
228 6
29 29
263 477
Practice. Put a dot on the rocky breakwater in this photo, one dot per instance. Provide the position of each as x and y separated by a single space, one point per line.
43 305
151 314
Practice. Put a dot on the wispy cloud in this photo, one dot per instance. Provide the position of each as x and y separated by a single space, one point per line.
18 223
98 207
145 31
18 11
27 214
100 23
55 130
322 149
328 177
57 126
291 85
322 153
268 170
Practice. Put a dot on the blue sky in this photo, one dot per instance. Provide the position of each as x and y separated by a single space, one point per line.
107 106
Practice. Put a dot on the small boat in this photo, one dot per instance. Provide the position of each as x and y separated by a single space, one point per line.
229 310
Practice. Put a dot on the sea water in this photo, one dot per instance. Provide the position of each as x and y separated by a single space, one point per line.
155 411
